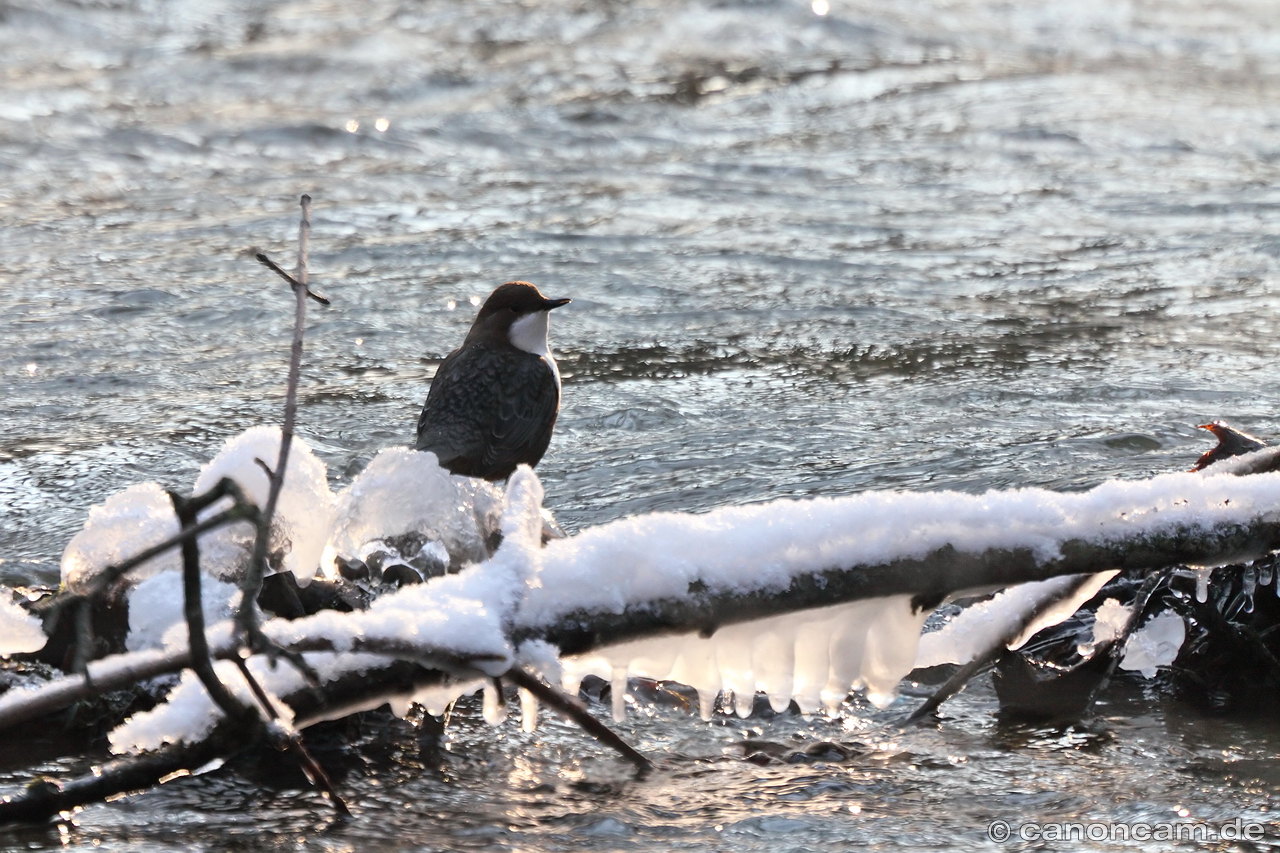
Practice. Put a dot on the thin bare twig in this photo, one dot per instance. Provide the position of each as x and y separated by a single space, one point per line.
570 707
247 618
201 662
275 268
84 640
290 741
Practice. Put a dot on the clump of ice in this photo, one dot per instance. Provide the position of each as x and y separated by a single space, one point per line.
20 632
1109 621
157 604
304 512
1155 645
126 524
980 626
463 615
404 493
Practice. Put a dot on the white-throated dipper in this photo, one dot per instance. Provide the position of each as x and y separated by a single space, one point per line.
494 400
1231 442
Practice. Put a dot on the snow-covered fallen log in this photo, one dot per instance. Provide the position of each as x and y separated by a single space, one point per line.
801 599
863 572
683 595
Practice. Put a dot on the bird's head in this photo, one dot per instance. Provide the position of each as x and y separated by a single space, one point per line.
517 311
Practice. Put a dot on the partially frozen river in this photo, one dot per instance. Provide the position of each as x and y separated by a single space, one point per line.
914 244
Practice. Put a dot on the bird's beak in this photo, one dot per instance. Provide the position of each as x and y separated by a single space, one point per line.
555 303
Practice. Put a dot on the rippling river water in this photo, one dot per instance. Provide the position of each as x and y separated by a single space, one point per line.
913 244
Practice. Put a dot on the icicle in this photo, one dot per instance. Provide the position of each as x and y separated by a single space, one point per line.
733 657
1264 574
773 661
619 691
707 703
1202 582
528 711
495 710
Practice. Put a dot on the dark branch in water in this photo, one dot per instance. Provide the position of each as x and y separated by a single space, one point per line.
570 707
290 741
45 798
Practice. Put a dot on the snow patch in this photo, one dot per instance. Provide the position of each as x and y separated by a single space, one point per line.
157 604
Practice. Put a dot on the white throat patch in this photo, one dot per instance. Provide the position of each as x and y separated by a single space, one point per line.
529 333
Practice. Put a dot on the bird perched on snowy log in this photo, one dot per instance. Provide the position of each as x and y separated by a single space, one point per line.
494 400
1231 442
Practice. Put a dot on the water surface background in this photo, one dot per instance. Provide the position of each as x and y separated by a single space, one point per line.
921 245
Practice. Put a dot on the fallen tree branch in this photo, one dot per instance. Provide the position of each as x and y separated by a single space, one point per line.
22 705
928 579
46 798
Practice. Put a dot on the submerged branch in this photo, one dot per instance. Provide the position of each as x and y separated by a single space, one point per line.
570 707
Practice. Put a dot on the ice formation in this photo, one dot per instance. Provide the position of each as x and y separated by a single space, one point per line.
156 606
1155 645
464 614
764 546
404 493
815 658
128 522
980 626
20 632
304 512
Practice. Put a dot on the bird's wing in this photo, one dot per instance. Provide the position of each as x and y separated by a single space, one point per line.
458 407
525 415
488 410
